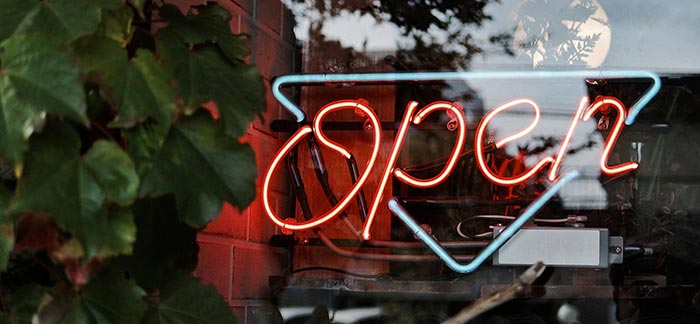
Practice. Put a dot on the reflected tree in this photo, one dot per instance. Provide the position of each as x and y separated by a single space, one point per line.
560 32
439 33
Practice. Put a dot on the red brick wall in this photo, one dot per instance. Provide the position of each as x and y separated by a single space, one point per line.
234 254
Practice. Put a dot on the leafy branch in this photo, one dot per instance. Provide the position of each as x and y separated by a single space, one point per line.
109 162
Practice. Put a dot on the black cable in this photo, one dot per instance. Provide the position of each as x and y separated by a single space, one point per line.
336 270
379 276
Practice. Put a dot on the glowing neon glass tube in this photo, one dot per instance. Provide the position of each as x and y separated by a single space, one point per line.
554 169
390 164
456 149
297 137
479 143
599 104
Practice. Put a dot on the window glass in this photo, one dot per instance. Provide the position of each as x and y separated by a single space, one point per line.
605 89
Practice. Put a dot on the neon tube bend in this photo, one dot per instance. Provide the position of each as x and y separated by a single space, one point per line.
291 79
496 244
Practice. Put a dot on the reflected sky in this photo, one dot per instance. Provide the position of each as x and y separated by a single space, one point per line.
660 36
544 35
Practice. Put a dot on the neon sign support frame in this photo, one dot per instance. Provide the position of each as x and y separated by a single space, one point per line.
455 110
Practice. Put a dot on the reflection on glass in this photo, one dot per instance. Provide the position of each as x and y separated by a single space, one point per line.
573 33
655 207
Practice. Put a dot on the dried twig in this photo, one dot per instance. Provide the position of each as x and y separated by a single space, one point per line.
507 293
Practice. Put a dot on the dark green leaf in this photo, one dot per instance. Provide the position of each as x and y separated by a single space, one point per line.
35 79
116 25
139 89
138 4
113 171
110 298
163 244
13 14
209 24
73 189
100 55
142 144
204 73
23 304
142 89
184 300
7 238
64 20
202 167
122 233
7 235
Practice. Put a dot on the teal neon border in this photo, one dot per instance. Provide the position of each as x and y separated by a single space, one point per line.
496 243
301 79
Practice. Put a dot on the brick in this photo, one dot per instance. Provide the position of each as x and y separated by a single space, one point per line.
269 53
265 148
263 123
236 11
261 228
247 24
247 5
252 269
215 267
288 23
269 13
231 222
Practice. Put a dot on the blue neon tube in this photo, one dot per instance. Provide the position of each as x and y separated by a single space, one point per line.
496 243
301 79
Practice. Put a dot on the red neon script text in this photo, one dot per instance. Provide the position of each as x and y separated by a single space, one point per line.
454 111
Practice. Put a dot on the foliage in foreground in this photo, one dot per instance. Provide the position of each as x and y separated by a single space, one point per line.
109 162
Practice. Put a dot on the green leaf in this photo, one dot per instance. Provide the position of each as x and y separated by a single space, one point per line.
100 55
143 143
184 300
202 167
23 304
163 243
73 189
204 73
209 24
138 4
35 79
116 25
64 20
122 234
15 13
110 298
139 89
7 235
113 171
142 89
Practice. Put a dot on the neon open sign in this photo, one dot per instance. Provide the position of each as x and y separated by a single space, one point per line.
414 115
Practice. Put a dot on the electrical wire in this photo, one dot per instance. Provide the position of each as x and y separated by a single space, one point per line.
341 271
458 228
380 276
380 256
